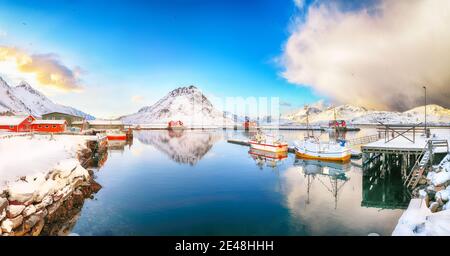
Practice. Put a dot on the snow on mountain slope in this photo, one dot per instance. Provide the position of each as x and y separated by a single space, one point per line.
300 114
358 115
435 113
9 102
24 99
187 104
40 104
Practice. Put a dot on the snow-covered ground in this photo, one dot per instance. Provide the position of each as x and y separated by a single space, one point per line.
26 156
433 219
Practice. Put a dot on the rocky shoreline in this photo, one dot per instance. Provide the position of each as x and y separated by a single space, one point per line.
429 212
41 204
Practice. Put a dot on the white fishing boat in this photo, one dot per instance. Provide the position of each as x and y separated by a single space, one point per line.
268 143
312 148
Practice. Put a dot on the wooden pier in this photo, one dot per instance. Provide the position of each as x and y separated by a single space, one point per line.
407 149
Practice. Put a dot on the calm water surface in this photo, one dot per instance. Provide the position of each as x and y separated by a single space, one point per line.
195 183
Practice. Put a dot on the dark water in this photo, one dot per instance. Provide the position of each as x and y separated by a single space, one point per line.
195 183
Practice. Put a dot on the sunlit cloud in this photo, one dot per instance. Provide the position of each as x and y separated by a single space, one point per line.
379 56
47 69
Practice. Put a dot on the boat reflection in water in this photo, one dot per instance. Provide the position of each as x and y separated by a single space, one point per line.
118 146
331 175
266 158
182 146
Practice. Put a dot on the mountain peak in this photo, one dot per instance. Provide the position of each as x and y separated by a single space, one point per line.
184 91
187 104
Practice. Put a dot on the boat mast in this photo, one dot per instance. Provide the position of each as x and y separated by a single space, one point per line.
307 121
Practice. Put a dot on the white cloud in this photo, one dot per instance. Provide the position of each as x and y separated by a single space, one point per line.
375 59
47 69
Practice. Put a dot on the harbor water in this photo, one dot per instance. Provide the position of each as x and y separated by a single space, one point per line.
195 183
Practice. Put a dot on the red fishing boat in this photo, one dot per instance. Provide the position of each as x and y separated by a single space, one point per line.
116 135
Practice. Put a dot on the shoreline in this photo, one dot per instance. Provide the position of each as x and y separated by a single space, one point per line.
428 214
31 203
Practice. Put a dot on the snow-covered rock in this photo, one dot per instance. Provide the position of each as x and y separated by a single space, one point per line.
30 209
187 104
440 178
9 224
21 191
13 210
24 99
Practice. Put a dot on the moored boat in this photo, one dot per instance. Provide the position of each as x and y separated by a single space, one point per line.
268 143
312 148
175 125
116 135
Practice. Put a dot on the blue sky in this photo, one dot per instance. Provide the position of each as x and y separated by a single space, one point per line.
127 49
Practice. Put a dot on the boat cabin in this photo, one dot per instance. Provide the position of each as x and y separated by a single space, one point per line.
175 124
337 123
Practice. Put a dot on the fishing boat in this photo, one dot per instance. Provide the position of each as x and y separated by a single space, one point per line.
175 125
116 135
268 143
312 148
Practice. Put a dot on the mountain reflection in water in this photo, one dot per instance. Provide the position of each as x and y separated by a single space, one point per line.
182 146
207 186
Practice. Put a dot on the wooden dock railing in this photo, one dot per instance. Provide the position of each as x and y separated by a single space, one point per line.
395 131
365 139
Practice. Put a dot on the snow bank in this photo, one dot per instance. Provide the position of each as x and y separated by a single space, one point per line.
412 221
39 174
434 219
25 156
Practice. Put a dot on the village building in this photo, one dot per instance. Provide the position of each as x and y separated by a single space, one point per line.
16 123
52 126
62 116
99 124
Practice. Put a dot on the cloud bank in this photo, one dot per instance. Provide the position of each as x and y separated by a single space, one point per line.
47 68
378 57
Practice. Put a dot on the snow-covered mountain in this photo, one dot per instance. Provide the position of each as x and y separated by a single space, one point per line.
187 104
358 115
9 102
24 99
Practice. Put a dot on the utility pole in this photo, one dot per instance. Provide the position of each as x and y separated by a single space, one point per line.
426 132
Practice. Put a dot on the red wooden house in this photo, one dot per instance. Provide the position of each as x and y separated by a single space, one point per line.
54 126
16 123
174 125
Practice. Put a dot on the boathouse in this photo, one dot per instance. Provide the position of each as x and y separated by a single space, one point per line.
99 124
52 126
62 116
16 123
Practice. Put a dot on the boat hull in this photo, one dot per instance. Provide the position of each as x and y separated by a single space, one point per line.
117 137
323 157
277 148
